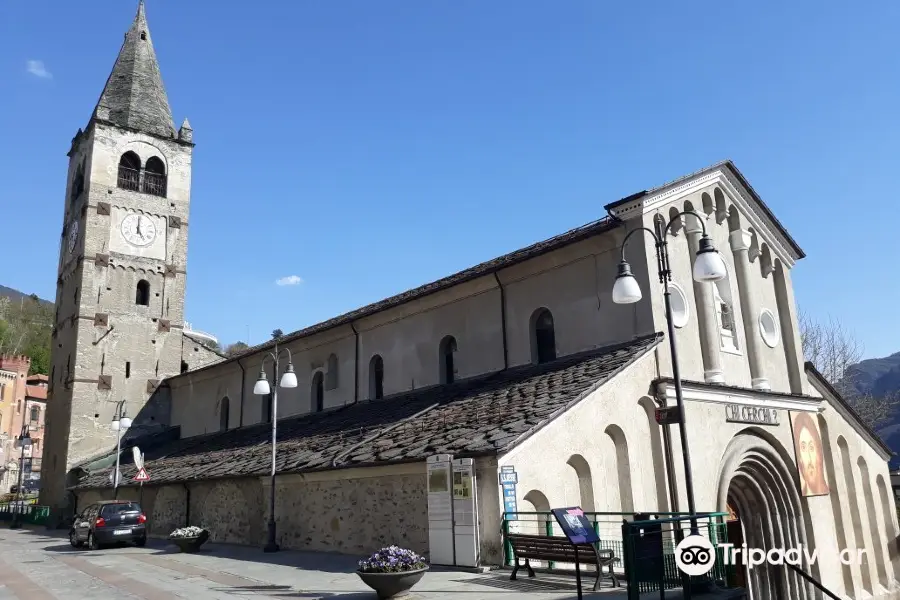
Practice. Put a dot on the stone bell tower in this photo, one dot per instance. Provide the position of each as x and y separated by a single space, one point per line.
122 264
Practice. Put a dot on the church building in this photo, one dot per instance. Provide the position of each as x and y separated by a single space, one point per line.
527 363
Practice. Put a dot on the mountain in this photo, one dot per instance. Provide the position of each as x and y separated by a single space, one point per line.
881 377
16 296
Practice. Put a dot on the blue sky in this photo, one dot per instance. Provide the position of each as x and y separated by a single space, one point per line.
370 147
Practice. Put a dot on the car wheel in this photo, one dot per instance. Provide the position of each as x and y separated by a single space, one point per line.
140 542
92 542
73 539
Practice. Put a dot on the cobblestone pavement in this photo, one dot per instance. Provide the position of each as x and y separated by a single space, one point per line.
40 565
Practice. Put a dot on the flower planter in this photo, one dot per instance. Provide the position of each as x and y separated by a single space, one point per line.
190 544
392 585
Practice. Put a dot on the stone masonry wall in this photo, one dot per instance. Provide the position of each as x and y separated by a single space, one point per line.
357 516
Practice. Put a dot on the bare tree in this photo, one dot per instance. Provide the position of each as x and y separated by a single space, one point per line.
834 350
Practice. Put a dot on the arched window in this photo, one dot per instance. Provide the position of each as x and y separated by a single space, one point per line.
543 337
129 172
155 177
35 414
77 184
446 351
317 393
376 378
142 295
726 315
224 409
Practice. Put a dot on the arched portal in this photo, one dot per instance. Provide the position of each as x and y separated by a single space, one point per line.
757 482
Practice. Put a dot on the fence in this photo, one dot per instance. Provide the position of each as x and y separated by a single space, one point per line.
629 536
28 513
649 553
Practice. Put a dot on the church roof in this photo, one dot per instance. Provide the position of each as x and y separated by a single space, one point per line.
134 95
478 417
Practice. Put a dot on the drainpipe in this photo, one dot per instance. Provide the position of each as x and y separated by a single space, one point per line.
355 365
187 505
503 320
243 382
660 398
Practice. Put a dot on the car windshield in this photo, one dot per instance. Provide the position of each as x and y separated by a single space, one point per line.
111 510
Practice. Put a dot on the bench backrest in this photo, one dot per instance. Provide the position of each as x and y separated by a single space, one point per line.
553 548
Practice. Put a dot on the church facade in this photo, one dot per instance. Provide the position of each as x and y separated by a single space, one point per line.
521 362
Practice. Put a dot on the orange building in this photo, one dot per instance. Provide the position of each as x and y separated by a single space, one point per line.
23 399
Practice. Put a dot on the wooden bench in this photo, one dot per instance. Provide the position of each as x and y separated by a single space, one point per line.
560 549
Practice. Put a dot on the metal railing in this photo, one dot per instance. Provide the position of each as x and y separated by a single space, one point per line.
137 180
129 179
649 553
28 513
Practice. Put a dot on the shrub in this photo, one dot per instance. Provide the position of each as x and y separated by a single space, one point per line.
187 532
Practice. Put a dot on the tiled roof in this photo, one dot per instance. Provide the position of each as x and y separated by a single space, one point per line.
37 392
485 268
476 417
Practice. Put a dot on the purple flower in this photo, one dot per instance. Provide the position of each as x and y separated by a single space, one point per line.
392 559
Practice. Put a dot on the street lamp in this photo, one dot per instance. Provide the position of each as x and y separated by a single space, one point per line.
708 267
120 424
263 388
23 442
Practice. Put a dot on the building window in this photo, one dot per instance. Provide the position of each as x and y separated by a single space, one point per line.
154 177
268 402
35 414
127 370
77 184
726 315
224 409
680 308
184 367
446 351
18 407
376 378
331 375
142 294
769 328
543 337
129 172
318 392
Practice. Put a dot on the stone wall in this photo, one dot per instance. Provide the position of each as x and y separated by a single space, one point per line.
359 513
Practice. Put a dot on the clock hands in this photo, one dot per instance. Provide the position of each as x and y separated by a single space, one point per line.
139 227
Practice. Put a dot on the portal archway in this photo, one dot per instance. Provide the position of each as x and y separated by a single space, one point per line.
757 480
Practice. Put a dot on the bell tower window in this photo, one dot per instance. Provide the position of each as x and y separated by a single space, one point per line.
154 177
129 172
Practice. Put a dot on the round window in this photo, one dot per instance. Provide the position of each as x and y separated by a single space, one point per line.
768 328
680 309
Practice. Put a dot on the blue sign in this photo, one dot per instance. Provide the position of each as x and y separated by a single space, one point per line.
575 525
508 479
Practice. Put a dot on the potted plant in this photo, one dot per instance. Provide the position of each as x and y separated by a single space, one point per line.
189 539
392 571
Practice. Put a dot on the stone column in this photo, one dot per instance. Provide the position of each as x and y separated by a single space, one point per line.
710 342
790 337
740 247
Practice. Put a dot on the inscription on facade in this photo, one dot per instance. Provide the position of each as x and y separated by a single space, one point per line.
759 415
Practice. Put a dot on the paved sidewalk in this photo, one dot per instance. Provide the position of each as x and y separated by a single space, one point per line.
37 564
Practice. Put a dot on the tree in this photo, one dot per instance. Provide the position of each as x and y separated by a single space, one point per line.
236 348
25 328
834 351
277 333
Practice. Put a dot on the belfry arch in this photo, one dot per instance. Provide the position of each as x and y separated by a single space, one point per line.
757 479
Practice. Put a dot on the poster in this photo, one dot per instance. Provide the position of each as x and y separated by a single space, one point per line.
462 485
575 525
810 455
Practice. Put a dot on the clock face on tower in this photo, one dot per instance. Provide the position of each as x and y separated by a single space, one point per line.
73 236
138 230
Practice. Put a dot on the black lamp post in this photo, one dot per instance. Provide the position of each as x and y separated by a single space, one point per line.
708 267
263 388
23 442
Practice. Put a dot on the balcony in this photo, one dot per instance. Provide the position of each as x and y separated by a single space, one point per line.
129 179
154 184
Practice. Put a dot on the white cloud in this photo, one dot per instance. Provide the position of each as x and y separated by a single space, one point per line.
289 280
37 68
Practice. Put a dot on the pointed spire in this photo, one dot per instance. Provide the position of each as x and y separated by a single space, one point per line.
134 95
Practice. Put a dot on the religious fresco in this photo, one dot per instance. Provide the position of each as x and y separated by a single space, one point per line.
810 455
